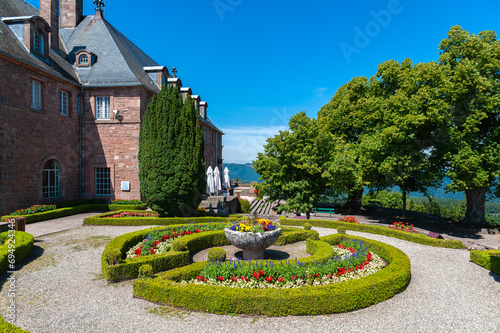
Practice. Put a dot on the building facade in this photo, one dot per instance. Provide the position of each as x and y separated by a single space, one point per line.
73 92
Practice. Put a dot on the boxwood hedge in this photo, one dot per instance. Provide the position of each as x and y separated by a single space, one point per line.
101 220
23 247
335 298
374 229
114 267
489 259
67 211
6 327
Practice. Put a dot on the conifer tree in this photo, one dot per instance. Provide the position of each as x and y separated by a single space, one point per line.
171 164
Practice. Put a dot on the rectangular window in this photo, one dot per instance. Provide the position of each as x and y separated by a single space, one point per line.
64 103
102 107
102 181
36 97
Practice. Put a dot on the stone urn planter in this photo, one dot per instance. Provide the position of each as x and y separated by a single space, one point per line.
252 244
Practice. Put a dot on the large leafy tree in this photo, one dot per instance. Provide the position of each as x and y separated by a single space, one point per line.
399 149
351 112
472 150
171 146
291 166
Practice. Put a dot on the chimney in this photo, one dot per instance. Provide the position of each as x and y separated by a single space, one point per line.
71 13
203 109
49 11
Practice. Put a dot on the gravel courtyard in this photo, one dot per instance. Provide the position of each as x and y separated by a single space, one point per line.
61 289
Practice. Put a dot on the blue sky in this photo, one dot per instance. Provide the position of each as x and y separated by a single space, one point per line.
258 62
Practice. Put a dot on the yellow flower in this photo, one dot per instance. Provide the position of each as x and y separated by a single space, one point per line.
7 241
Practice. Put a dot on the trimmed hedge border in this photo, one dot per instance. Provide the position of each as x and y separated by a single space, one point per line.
489 259
67 211
24 246
335 298
294 235
374 229
114 267
129 221
6 327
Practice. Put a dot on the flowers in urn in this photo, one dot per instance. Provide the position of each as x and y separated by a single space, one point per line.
254 225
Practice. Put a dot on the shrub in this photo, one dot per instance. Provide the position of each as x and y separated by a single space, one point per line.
341 230
23 247
246 206
6 327
104 220
79 202
307 226
146 271
411 237
342 297
126 202
217 254
289 236
489 259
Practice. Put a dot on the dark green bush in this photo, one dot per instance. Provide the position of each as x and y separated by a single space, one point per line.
296 235
245 206
126 202
489 259
217 254
341 297
307 226
79 202
411 237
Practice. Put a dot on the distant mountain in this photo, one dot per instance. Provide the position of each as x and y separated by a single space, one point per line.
244 172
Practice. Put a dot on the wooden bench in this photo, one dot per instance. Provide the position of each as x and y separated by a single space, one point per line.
324 210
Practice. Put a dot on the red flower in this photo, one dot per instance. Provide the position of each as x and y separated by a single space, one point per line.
316 275
199 277
294 277
269 279
281 279
220 278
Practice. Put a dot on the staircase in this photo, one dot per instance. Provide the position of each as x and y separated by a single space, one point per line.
263 208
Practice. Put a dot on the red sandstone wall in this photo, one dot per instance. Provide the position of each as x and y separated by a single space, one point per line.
28 138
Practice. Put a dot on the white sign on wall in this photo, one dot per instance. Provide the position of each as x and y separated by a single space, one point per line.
126 186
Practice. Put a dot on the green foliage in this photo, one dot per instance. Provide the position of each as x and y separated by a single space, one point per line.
348 296
146 271
217 254
295 235
126 202
307 226
291 166
100 220
171 160
35 209
79 202
23 246
373 229
7 327
341 230
489 259
245 205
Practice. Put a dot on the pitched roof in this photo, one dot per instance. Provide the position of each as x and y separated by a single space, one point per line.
119 61
12 8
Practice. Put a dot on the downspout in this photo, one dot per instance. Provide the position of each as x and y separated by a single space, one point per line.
80 120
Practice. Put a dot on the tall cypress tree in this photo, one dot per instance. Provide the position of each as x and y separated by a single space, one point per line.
171 147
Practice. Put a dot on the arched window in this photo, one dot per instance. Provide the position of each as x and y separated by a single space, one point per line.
50 187
83 60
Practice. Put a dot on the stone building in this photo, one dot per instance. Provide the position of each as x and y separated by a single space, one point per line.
73 91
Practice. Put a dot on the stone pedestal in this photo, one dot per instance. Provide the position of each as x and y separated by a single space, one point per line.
252 244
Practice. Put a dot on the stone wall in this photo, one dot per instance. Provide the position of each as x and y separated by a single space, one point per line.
29 137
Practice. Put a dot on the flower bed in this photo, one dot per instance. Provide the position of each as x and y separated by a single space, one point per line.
108 219
351 260
308 300
349 219
402 227
131 214
256 225
411 237
160 241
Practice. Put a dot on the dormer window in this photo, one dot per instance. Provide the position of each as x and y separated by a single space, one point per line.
84 60
39 42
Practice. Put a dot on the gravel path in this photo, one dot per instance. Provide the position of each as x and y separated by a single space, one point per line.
61 290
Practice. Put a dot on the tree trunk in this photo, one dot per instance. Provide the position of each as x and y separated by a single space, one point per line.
404 201
475 214
354 200
308 215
